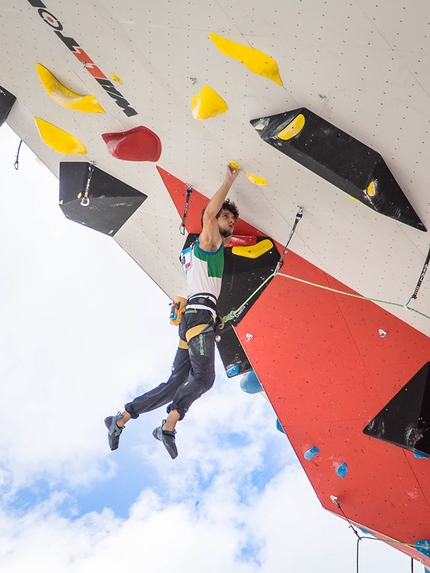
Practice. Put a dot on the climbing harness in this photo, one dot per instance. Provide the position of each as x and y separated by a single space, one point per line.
16 164
299 215
184 216
419 283
85 199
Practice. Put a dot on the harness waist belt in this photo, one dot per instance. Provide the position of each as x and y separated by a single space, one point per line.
203 299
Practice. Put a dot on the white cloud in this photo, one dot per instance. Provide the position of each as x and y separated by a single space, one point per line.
284 524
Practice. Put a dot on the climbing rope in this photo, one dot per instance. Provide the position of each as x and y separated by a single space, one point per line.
354 295
419 283
184 216
335 500
235 313
16 164
86 199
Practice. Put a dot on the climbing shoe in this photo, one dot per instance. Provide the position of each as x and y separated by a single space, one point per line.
168 439
114 431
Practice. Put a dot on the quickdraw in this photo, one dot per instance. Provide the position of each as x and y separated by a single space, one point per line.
419 283
16 164
299 216
184 216
86 199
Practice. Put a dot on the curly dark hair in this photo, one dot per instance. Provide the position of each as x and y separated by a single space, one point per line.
228 206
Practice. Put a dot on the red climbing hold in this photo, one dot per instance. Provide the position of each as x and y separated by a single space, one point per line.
137 144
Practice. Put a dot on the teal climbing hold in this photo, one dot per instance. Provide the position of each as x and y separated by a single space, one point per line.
420 455
279 427
233 371
423 546
342 470
312 452
250 383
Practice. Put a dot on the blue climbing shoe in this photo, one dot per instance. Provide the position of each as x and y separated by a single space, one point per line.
168 439
114 431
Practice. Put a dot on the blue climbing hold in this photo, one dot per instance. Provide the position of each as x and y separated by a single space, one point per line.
233 371
420 455
342 470
250 383
309 454
423 546
279 427
365 531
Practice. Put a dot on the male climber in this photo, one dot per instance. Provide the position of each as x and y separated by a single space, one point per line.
193 370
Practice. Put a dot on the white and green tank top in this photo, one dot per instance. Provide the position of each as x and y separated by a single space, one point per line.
204 271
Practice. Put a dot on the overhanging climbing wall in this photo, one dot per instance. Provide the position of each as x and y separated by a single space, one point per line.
328 373
329 363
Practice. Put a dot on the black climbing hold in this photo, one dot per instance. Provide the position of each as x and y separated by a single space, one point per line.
340 159
109 203
6 104
405 420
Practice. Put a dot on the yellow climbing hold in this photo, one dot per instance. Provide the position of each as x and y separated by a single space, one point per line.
207 103
371 189
293 128
254 251
234 165
58 139
256 61
116 78
65 97
256 180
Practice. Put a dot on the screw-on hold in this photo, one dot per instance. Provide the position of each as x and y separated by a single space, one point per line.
322 97
217 338
342 470
194 80
312 452
382 333
249 336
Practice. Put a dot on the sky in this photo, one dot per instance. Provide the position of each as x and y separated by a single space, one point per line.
83 331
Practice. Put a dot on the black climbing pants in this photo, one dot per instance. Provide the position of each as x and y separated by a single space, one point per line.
193 369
